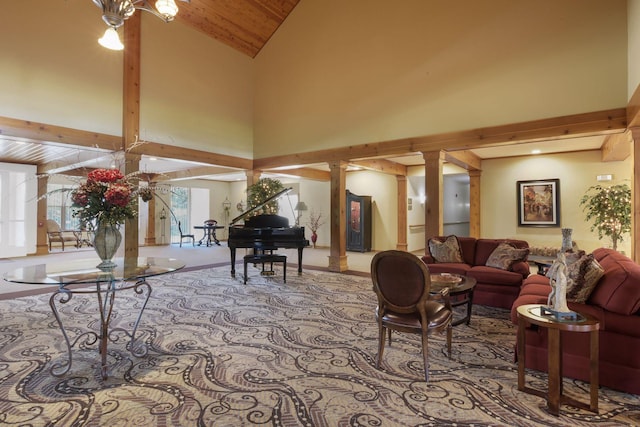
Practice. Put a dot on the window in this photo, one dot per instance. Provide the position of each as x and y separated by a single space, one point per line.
18 194
59 206
180 206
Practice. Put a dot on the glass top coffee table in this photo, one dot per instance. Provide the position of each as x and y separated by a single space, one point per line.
460 290
83 277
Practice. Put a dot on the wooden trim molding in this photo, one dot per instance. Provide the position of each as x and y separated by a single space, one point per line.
585 124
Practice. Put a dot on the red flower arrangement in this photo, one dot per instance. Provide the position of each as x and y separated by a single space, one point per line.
107 196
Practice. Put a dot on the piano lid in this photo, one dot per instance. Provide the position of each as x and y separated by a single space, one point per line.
260 205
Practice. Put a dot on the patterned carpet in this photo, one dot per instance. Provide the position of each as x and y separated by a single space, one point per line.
297 354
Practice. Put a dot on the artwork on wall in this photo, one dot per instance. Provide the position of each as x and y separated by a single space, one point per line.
539 203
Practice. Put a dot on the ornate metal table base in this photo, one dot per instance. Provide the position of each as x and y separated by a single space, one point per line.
106 292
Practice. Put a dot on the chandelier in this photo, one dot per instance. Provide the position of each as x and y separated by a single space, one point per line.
115 12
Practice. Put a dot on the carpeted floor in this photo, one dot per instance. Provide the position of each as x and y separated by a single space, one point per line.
297 354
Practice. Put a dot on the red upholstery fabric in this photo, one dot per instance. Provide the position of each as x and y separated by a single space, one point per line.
619 333
495 287
619 289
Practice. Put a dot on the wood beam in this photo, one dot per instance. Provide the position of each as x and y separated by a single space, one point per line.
594 123
85 160
382 165
401 244
474 203
155 149
44 132
338 226
193 173
465 159
434 183
308 173
131 122
616 147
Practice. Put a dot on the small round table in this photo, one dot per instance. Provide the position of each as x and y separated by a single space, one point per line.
71 278
536 315
460 288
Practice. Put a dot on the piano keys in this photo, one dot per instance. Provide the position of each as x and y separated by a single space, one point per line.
265 233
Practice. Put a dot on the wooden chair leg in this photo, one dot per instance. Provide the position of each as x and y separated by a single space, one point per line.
425 355
380 346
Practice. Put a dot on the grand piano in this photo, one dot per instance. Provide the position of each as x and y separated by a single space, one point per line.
265 233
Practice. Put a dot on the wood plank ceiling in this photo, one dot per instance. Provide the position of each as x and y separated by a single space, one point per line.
245 25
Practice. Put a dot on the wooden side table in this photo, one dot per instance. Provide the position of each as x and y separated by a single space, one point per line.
531 313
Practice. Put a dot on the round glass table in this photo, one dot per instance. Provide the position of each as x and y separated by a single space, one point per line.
74 277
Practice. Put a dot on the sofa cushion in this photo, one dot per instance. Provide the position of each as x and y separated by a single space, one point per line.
505 255
619 288
484 274
582 277
447 250
484 248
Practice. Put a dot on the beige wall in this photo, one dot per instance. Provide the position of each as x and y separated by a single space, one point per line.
633 49
196 92
576 171
339 73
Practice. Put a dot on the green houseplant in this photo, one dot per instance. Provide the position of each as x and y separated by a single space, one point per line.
610 210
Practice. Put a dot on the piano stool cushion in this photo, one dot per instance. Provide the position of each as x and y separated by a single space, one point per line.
263 258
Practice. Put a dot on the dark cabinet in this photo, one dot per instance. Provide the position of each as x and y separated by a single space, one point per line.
358 222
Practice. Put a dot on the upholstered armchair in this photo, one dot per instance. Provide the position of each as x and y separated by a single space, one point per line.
402 284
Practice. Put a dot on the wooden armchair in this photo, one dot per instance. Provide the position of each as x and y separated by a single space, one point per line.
402 283
56 235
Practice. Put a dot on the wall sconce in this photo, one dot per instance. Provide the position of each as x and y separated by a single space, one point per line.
423 199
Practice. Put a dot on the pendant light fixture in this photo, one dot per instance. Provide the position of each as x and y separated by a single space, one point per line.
115 12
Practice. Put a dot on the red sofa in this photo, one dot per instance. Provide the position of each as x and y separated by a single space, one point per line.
615 302
495 287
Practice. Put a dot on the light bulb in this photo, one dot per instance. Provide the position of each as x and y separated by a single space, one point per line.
167 8
111 40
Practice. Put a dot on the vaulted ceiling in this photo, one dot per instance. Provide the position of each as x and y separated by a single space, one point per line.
245 25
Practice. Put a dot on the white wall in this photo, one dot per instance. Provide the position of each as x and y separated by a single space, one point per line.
423 67
576 171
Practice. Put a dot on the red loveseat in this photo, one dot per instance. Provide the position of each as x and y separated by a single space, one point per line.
615 302
495 287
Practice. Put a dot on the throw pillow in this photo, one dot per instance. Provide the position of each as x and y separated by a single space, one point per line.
447 251
505 255
582 277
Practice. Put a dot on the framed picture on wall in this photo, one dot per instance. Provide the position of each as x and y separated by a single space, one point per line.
539 203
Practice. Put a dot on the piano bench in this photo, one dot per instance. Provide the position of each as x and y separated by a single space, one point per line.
264 258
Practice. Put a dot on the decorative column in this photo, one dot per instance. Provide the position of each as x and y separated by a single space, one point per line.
131 119
338 248
253 176
474 203
42 247
150 237
402 213
434 208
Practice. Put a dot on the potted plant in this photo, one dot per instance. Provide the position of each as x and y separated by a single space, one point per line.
610 210
314 223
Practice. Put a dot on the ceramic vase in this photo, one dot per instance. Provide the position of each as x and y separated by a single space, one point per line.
567 243
314 238
106 241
